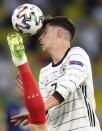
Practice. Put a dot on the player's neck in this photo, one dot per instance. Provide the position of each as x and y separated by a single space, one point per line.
58 54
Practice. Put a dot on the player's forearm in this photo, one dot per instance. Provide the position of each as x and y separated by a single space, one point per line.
55 99
34 127
51 102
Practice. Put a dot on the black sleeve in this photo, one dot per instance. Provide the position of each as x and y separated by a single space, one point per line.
58 96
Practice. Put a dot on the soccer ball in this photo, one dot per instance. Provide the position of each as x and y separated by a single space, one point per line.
27 19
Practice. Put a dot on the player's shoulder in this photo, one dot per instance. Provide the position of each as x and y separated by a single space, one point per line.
78 51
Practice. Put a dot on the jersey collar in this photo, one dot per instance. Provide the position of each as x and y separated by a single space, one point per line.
54 65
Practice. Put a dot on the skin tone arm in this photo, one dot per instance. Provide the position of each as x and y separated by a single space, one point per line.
51 102
38 127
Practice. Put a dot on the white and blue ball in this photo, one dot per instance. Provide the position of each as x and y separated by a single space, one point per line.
27 19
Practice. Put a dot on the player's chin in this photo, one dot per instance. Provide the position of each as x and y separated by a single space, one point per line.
44 49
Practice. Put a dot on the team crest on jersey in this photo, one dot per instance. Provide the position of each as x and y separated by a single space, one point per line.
63 69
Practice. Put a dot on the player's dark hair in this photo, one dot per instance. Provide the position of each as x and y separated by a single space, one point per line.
61 21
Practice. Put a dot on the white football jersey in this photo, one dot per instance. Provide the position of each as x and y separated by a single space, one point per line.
72 78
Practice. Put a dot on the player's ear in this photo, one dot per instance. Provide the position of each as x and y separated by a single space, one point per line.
59 33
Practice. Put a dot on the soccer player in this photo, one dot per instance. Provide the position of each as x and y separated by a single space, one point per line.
66 83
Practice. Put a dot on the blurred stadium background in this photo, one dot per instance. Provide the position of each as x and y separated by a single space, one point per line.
86 14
